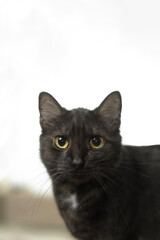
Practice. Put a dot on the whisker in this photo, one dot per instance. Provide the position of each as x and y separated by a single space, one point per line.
108 178
113 185
59 179
138 163
59 170
37 204
109 195
135 171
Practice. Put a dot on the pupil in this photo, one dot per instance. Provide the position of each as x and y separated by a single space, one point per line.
96 141
61 141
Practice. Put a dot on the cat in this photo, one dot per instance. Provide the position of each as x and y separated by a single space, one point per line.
104 190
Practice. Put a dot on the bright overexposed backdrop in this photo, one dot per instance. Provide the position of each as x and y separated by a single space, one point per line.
79 51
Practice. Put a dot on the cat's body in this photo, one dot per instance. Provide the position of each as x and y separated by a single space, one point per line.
133 209
104 190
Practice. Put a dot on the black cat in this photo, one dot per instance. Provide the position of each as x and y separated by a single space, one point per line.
104 190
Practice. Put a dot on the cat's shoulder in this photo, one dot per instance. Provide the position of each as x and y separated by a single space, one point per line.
151 152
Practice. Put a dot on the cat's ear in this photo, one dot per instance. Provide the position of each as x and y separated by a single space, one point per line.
110 110
49 108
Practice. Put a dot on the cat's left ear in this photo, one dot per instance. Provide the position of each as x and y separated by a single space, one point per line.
110 110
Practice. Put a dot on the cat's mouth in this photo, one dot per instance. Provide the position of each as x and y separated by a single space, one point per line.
76 176
79 178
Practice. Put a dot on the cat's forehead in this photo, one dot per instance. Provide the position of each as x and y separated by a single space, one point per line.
78 118
80 121
80 115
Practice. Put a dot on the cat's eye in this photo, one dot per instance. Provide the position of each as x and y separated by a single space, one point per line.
96 142
61 142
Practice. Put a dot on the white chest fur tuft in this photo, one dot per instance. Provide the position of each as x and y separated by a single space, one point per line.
72 201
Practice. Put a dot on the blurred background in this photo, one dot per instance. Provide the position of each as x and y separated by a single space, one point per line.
79 51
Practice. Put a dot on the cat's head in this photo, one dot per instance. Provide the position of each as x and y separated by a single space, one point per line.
75 145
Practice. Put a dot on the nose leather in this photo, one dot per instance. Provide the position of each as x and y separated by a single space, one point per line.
77 162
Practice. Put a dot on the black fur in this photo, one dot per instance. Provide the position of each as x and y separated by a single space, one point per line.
116 188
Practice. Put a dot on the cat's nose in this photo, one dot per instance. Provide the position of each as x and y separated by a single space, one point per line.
78 162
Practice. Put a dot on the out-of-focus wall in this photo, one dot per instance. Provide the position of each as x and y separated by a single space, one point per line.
79 51
21 207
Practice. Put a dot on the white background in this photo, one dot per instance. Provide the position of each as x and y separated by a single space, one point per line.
79 51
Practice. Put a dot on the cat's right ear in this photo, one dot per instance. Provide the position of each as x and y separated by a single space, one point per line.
49 109
110 111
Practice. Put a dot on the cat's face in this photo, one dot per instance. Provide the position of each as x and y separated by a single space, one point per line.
78 144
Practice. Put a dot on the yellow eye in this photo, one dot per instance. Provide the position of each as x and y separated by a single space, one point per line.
61 142
96 142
